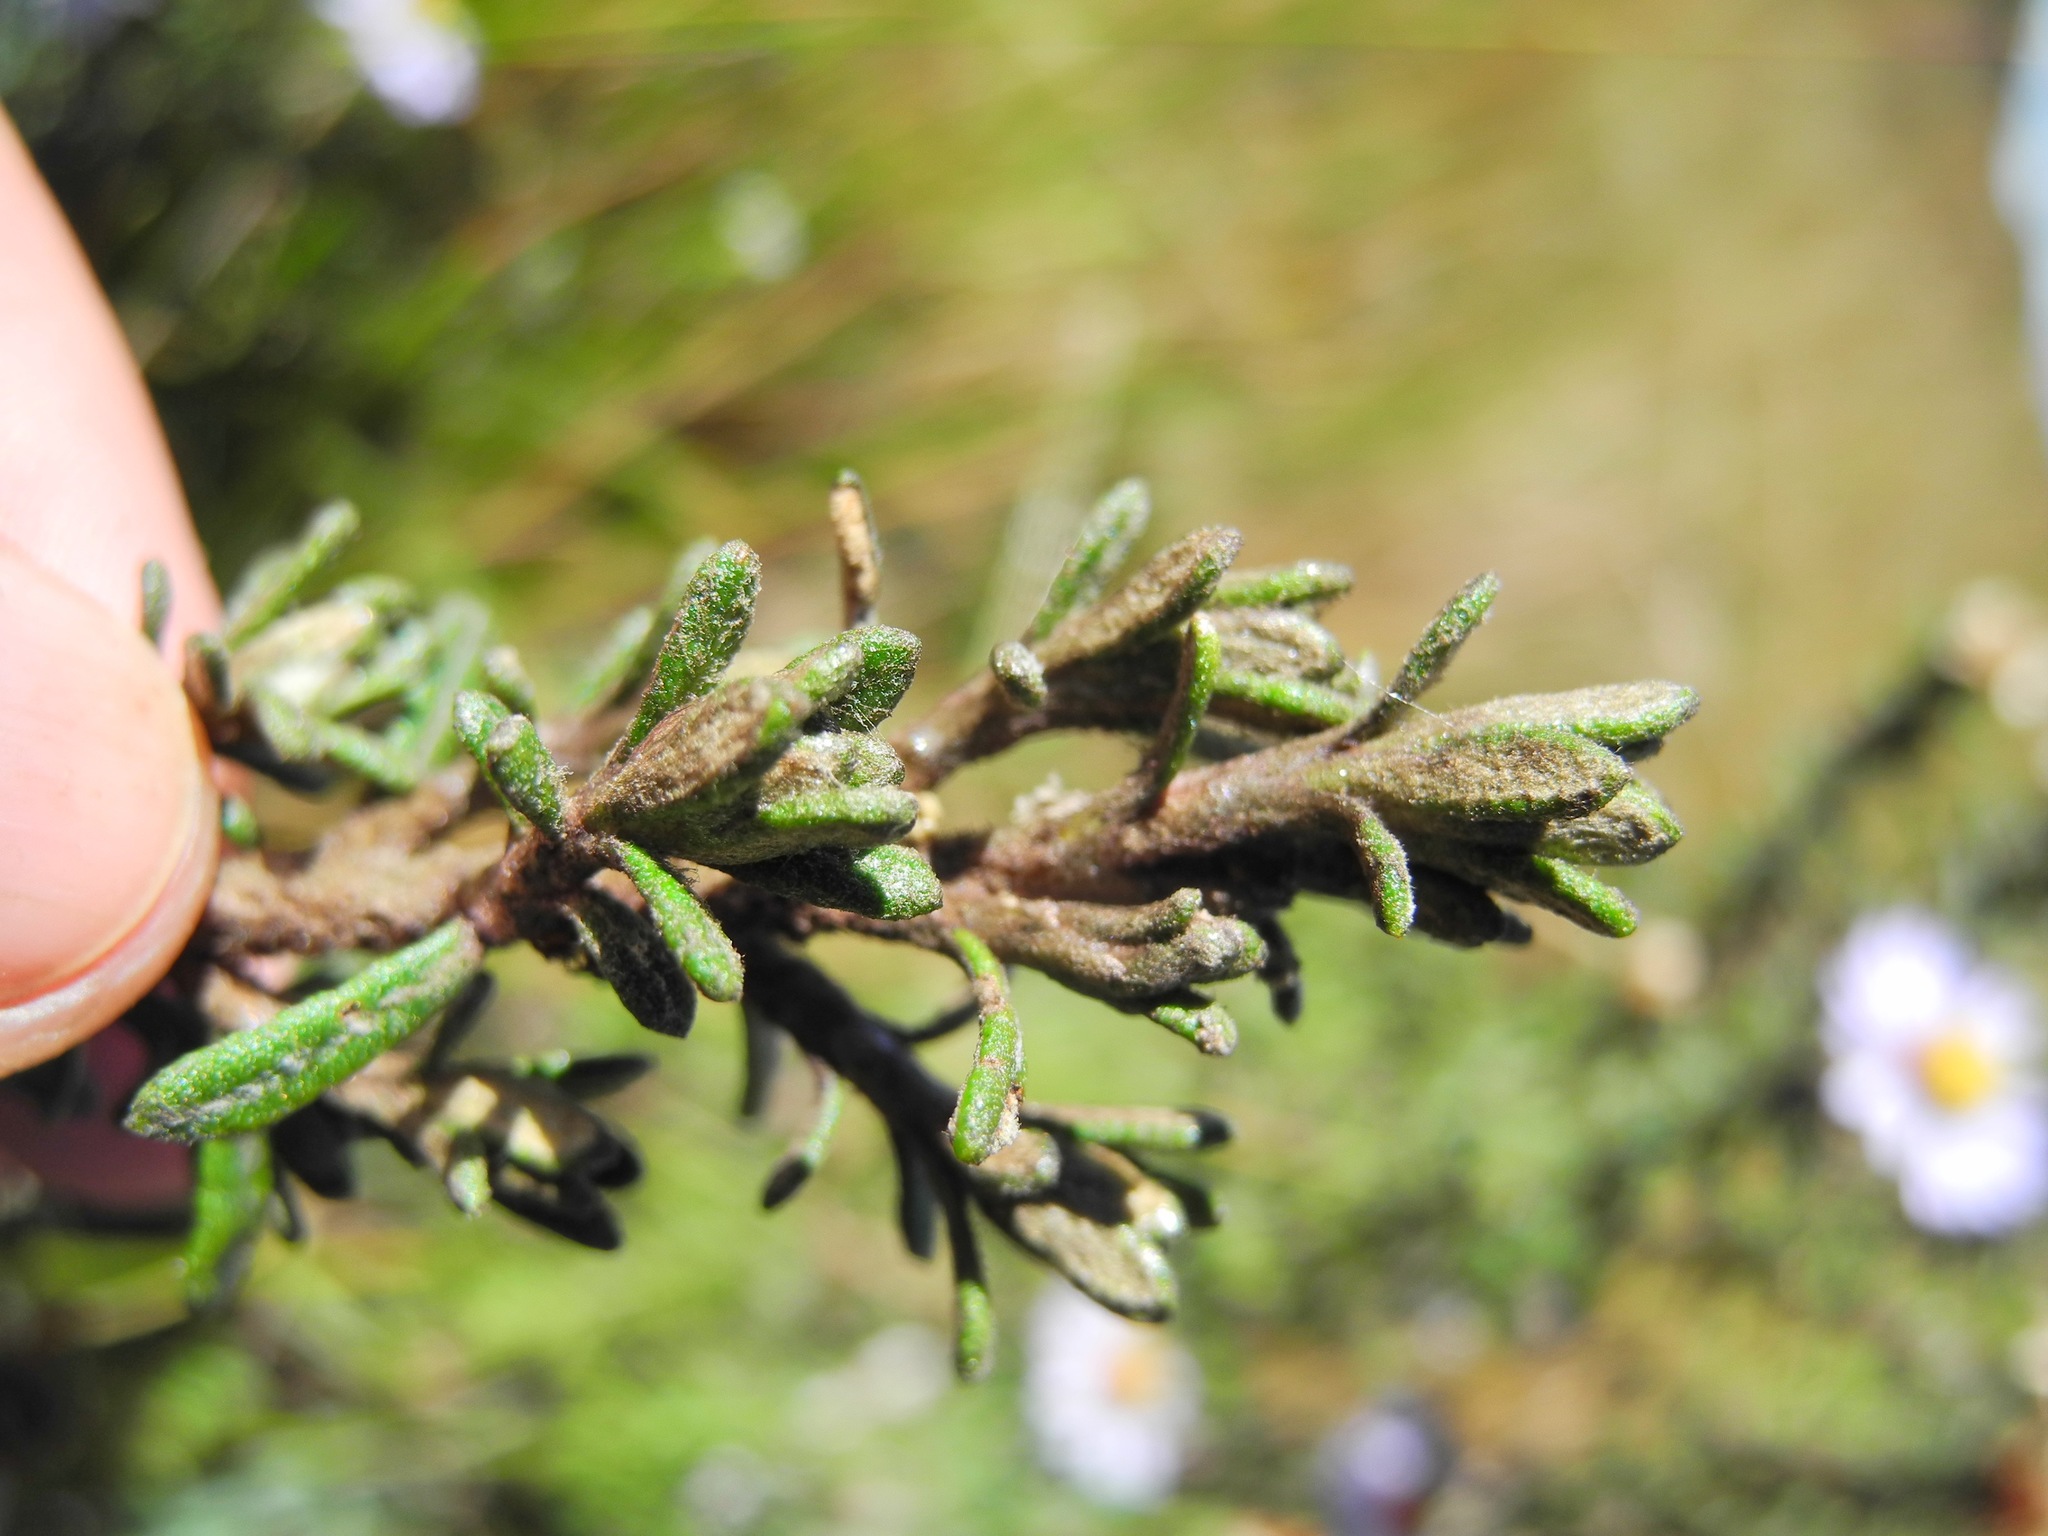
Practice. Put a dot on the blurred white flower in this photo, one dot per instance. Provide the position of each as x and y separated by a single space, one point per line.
2028 1359
727 1491
419 56
900 1374
1989 625
2019 177
1111 1403
1666 968
1932 1061
761 226
1378 1469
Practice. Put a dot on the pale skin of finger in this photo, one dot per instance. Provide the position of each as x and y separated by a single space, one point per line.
109 775
87 488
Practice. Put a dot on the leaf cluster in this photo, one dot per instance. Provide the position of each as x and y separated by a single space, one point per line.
681 830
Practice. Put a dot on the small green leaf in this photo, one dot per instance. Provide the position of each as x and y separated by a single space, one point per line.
468 1179
1163 594
1291 698
985 1118
1545 882
1119 1266
691 932
1426 663
677 587
616 664
1103 544
1633 828
1586 899
156 600
297 737
505 675
626 659
386 595
425 728
276 579
363 754
1201 653
1626 717
1386 870
1303 585
397 664
1017 669
1136 1129
238 822
709 628
888 665
974 1330
1207 1026
283 725
509 750
875 813
231 1189
859 761
260 1075
797 1166
890 882
826 674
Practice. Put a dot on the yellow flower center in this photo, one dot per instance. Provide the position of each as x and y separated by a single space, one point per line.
1957 1072
1137 1373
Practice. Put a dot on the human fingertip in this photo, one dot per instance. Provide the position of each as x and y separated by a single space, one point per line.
107 813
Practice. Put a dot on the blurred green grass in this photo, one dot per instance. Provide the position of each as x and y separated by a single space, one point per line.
1691 320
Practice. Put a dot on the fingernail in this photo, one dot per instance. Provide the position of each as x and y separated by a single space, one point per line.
104 806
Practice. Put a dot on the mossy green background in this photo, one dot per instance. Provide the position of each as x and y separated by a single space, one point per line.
1693 320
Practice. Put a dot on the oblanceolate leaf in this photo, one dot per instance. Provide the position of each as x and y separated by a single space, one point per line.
708 630
693 934
1426 663
985 1118
260 1075
275 579
889 882
231 1189
1103 545
509 750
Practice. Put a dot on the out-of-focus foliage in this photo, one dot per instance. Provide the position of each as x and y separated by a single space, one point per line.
1366 266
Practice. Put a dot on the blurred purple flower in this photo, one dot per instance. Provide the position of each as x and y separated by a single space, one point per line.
419 56
1379 1468
1932 1061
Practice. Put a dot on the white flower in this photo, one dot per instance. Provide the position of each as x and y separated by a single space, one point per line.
761 226
1111 1403
1932 1061
419 56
